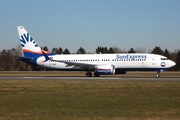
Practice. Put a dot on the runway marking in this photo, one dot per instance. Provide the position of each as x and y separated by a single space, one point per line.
32 77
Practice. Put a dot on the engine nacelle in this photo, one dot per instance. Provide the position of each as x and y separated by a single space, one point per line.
105 69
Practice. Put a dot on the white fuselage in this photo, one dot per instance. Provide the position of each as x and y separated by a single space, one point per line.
120 61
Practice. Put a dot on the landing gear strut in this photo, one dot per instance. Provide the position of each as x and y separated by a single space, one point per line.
89 74
158 74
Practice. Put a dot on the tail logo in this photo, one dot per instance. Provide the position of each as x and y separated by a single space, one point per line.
27 39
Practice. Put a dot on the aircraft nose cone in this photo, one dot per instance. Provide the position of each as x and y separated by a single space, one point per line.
172 63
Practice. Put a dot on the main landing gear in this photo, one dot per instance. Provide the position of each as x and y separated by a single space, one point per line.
89 74
96 74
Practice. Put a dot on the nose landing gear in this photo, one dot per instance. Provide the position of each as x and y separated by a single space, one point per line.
158 74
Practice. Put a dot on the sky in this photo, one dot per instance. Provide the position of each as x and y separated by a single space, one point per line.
73 24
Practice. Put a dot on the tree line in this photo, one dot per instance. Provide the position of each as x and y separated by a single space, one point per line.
9 57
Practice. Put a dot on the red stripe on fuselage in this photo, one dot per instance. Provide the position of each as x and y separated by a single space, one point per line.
39 52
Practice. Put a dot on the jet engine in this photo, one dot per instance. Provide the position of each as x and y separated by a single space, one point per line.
105 69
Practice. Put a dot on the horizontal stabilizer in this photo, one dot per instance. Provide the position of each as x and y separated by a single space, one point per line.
25 58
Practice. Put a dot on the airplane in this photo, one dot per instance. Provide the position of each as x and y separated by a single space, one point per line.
100 64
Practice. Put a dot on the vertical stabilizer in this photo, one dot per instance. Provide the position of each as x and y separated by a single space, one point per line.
29 47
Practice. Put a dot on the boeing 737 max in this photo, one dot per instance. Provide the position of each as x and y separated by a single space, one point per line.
101 64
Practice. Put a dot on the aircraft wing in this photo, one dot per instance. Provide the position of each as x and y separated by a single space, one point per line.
77 64
69 63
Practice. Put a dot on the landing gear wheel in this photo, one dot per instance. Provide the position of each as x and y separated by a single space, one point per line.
88 74
96 74
157 75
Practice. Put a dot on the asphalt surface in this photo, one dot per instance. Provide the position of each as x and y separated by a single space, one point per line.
86 78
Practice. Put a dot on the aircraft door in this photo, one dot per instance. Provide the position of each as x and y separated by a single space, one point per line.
153 60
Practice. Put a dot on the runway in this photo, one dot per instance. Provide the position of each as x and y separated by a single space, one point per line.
86 78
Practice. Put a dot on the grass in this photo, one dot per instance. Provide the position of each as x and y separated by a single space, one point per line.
89 100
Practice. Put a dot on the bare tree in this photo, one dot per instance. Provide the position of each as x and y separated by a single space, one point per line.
140 50
117 50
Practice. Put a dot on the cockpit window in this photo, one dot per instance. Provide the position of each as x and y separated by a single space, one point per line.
164 58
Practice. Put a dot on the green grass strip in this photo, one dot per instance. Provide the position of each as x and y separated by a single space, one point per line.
89 100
